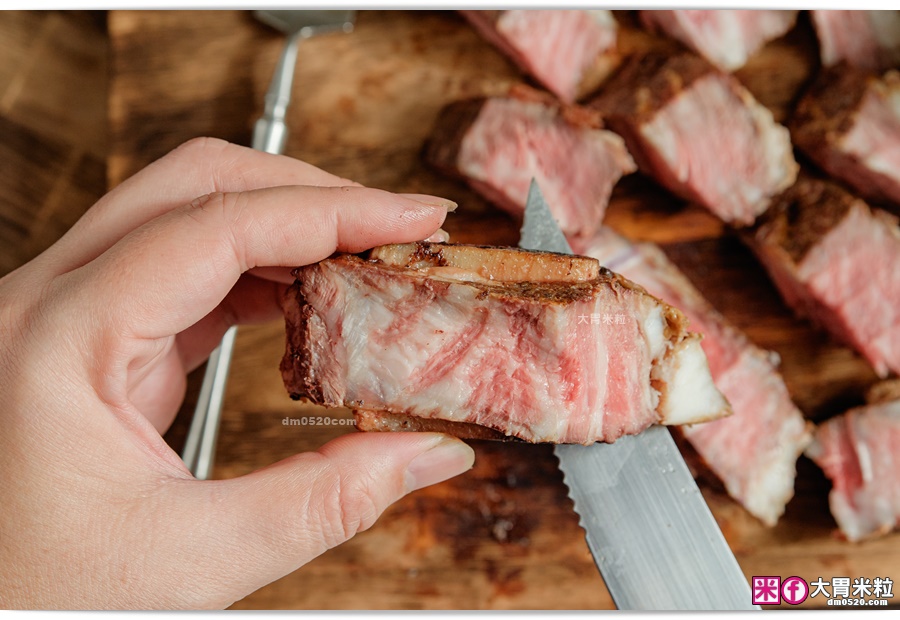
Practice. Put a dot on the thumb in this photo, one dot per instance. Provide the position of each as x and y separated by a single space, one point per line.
267 524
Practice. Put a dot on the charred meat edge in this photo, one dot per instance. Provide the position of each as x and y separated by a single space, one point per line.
453 123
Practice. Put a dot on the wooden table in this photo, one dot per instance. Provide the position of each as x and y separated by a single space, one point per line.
504 535
53 78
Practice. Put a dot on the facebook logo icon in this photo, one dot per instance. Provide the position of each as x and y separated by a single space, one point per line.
771 590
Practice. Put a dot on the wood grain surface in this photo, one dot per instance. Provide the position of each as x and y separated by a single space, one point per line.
52 127
503 536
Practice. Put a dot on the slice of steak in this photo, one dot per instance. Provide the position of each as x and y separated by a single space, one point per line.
754 451
568 52
726 38
561 352
699 133
834 259
858 451
849 124
498 145
864 39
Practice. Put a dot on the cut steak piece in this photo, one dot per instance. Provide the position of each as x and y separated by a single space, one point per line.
849 124
572 354
859 452
726 38
568 52
864 39
835 260
754 451
699 133
499 144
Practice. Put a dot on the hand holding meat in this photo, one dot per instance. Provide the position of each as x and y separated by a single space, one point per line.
97 335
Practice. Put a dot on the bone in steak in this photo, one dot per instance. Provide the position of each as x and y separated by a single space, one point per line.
834 259
532 345
568 52
726 38
499 144
755 450
858 453
849 124
864 39
699 133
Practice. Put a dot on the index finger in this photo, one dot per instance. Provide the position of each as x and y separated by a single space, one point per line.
170 273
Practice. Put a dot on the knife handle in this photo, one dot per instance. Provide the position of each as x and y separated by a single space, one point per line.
270 132
270 135
200 445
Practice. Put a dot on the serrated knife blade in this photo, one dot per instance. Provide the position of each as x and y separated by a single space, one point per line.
652 535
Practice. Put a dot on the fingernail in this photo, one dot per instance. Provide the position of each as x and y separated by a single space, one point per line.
440 236
433 201
447 458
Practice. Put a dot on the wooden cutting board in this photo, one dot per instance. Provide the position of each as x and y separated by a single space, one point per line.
504 535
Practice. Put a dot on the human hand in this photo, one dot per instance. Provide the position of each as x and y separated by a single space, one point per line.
96 336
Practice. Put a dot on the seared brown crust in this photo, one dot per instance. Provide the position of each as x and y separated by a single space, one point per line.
575 115
383 421
295 367
430 253
799 217
644 85
648 83
454 120
827 110
883 392
450 129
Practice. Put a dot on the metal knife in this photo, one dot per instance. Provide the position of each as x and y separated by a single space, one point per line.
651 533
